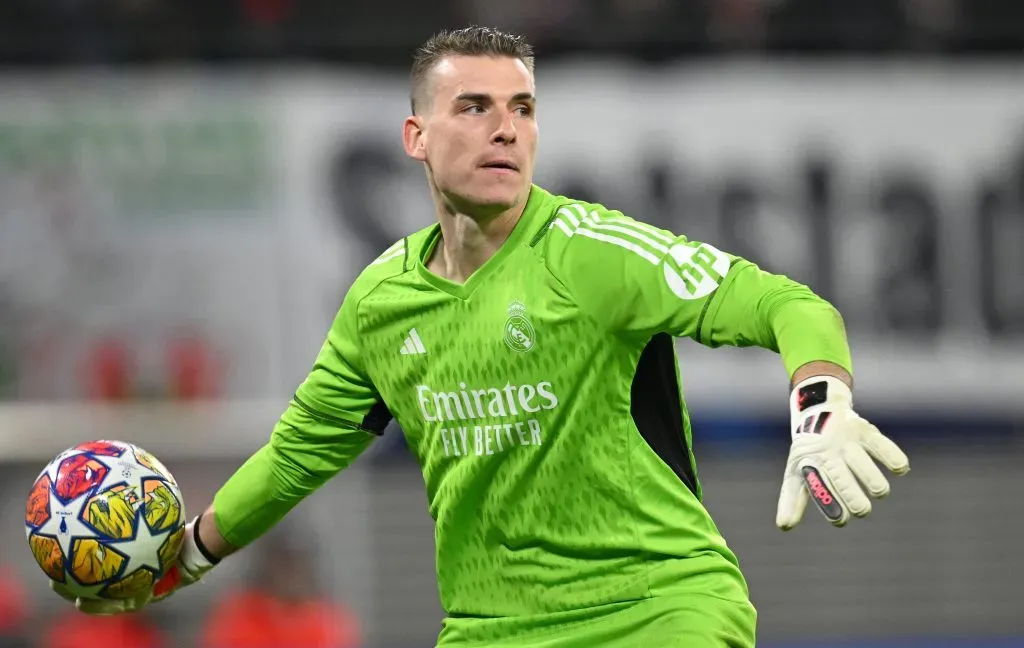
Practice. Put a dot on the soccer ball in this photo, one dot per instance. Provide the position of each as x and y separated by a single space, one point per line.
105 519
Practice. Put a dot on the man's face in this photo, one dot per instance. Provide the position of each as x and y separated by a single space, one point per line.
477 132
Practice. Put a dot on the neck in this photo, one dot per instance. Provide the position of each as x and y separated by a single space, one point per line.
469 240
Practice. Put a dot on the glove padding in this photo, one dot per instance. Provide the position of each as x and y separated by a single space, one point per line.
190 566
831 456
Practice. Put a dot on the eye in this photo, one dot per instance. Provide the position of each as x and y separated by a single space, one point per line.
524 110
474 109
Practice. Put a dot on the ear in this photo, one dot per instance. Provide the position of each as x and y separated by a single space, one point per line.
414 138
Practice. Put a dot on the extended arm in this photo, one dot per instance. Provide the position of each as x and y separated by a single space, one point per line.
335 414
305 450
640 281
831 460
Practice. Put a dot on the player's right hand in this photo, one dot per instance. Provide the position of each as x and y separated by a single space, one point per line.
102 607
189 567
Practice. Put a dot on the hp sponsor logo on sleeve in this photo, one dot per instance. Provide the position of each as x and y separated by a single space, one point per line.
694 272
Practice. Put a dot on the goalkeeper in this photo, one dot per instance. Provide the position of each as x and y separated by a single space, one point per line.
524 343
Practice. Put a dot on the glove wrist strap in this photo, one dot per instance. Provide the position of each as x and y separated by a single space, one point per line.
195 557
210 558
819 390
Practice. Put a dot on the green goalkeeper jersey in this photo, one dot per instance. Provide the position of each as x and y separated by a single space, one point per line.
542 400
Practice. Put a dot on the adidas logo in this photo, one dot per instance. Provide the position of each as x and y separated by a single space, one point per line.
413 344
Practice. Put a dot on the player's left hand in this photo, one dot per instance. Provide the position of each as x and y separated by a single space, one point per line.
831 456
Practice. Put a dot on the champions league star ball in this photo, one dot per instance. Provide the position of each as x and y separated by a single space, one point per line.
105 519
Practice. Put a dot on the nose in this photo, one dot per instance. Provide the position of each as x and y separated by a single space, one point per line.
506 131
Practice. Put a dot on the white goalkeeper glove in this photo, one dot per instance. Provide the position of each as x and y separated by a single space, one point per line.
191 565
831 456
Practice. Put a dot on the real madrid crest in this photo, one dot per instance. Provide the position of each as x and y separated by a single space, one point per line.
519 332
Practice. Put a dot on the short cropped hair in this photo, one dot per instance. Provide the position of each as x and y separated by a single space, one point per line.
469 41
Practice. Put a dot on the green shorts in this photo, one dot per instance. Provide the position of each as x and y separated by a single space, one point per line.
660 622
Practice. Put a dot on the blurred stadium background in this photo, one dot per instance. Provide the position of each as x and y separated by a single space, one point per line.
187 188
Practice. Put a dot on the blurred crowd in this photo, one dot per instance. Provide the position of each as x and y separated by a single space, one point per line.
279 605
383 32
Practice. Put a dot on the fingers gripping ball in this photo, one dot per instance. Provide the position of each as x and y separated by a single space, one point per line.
105 520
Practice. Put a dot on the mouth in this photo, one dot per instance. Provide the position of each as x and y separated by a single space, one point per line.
500 165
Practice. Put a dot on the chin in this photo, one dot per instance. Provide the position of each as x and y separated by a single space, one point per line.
495 199
504 200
